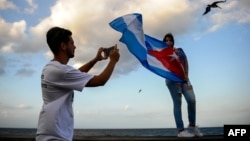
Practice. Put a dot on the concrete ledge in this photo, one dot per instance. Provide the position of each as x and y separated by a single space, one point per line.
122 138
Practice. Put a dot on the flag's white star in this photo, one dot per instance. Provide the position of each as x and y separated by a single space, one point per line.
174 56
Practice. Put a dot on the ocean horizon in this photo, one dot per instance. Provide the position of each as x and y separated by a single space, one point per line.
129 132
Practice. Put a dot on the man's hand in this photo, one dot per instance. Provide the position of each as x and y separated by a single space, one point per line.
99 55
114 54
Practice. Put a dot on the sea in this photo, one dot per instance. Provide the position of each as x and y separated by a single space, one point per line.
30 132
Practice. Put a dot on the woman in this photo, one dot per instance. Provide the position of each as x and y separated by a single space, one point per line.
176 91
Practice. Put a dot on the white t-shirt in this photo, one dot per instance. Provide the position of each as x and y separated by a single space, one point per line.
56 120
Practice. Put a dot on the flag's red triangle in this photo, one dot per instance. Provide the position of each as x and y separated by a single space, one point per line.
170 60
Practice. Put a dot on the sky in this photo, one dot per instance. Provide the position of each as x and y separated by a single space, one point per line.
217 46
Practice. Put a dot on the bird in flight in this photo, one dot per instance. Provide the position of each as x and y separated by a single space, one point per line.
213 5
139 91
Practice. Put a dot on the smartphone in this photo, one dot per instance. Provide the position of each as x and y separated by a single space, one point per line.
108 50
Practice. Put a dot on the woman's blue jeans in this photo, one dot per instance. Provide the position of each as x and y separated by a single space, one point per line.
177 101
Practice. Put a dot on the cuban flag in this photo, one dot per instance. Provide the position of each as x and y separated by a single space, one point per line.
154 54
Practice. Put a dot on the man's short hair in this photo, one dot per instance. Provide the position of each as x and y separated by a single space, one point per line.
55 36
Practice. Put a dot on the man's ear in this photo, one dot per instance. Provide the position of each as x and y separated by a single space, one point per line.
63 46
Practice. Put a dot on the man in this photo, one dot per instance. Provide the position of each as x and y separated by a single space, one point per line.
56 121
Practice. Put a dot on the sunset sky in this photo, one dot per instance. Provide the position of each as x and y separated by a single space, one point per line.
217 46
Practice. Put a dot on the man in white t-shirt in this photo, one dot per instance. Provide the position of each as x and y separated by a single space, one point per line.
58 81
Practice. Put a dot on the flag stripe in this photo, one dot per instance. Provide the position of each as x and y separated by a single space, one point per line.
139 44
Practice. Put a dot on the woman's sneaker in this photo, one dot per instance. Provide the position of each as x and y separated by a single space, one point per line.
196 131
185 134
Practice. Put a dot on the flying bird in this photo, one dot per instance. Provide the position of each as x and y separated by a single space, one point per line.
139 91
213 5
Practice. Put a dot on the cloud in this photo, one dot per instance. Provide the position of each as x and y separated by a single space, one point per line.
24 72
23 106
14 42
126 107
91 28
7 48
2 64
4 4
12 34
231 12
32 7
6 107
89 22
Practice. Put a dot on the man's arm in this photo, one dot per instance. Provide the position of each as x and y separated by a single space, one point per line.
103 77
86 67
91 63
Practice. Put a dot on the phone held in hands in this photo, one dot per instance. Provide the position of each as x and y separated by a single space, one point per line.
108 50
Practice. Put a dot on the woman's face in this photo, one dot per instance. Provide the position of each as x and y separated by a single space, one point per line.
169 41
